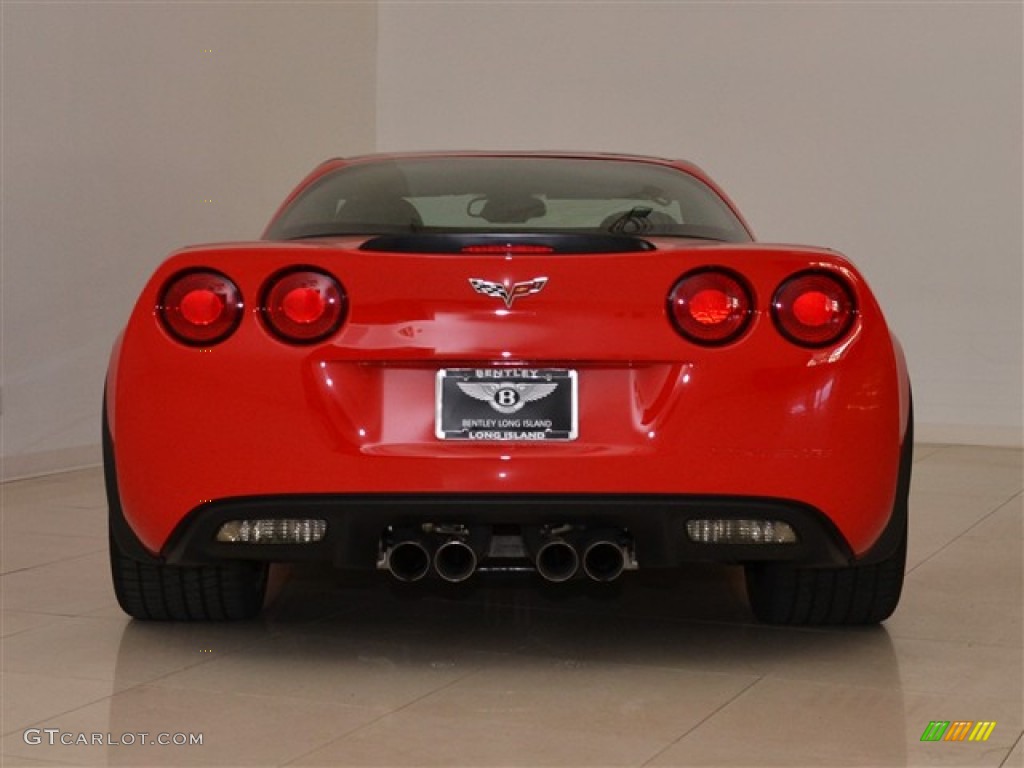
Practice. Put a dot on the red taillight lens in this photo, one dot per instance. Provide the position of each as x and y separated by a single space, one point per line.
711 306
814 309
200 307
304 306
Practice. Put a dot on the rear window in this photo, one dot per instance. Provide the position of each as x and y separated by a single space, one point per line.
488 195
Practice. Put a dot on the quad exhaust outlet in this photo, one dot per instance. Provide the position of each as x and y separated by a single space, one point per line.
454 554
604 560
557 560
408 560
455 561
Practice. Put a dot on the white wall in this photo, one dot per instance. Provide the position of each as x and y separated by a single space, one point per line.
891 132
119 120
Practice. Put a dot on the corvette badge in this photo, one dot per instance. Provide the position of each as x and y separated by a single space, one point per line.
506 293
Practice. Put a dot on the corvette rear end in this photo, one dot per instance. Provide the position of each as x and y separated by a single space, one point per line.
568 384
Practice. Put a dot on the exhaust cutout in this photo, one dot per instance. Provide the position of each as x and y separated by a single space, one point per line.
604 561
557 561
455 561
408 561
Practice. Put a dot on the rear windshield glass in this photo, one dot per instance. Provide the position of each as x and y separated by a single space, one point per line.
505 195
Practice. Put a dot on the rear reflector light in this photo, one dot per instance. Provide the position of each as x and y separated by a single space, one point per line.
814 309
710 306
304 306
298 531
740 532
508 248
201 307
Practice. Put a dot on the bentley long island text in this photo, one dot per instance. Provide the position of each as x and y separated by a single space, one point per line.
562 367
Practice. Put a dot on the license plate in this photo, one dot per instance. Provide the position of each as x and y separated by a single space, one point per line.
506 404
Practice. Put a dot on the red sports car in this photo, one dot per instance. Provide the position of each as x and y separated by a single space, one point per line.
566 366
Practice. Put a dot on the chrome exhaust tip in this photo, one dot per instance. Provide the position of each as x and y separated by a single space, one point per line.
604 560
557 561
455 561
408 561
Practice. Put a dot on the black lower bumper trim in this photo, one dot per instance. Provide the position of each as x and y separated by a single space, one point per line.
656 523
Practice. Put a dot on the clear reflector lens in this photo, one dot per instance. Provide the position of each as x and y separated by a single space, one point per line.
740 532
298 531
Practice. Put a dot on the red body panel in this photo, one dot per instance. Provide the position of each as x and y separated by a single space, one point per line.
658 414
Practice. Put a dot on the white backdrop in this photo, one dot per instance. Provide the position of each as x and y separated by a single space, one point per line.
891 132
120 120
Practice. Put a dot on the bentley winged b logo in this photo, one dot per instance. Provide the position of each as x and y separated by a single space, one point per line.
507 397
508 294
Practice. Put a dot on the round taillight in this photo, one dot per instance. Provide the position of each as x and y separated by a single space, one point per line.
814 309
304 306
710 306
200 307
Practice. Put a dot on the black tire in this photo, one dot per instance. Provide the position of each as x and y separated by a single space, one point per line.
148 588
858 594
164 592
867 593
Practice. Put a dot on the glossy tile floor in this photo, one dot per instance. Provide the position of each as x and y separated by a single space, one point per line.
661 674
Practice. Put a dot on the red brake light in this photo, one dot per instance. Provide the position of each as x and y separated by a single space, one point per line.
201 307
304 306
814 309
508 248
710 306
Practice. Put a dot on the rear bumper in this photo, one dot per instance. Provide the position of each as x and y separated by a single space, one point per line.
656 524
651 431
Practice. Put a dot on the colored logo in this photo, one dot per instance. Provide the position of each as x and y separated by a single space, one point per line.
508 294
958 730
